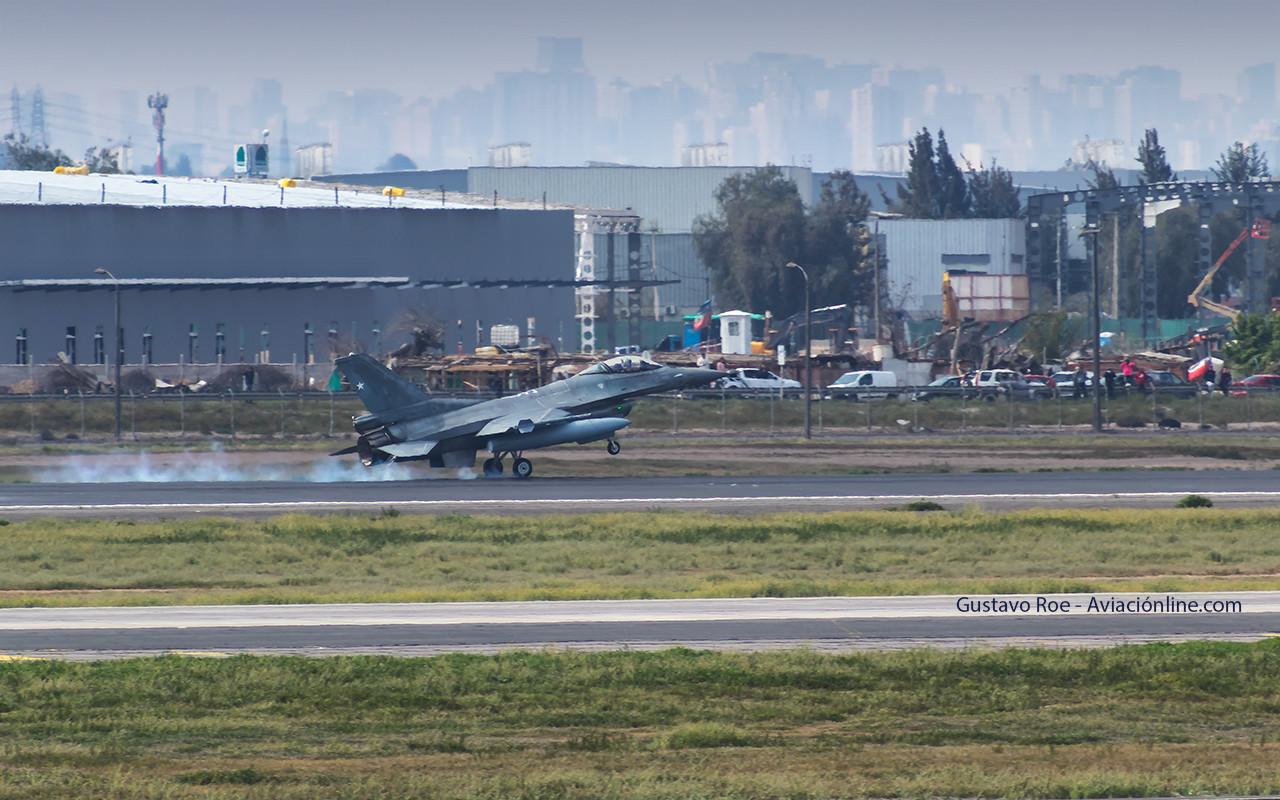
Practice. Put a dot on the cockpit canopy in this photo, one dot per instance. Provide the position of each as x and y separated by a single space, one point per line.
621 365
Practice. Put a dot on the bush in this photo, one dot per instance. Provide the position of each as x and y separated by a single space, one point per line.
923 505
1194 501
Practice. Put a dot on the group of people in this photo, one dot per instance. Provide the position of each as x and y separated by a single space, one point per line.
1219 380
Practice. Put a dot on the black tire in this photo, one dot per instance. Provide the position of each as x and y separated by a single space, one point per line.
522 468
613 447
493 468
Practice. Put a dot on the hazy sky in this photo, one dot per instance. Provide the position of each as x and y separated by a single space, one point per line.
433 47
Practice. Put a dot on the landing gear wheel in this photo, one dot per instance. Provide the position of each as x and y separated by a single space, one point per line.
522 467
614 448
492 468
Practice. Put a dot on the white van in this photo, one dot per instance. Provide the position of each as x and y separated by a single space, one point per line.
866 384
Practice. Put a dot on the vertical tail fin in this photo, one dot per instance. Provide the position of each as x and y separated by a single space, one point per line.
379 388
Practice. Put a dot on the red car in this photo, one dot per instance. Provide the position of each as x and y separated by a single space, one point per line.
1265 383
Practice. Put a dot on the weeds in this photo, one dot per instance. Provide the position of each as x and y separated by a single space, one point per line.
311 559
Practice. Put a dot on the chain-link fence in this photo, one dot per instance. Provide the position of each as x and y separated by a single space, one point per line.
914 410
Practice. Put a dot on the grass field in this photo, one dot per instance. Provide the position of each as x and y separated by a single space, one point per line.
1156 720
305 559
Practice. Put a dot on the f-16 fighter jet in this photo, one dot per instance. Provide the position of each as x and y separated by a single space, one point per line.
404 423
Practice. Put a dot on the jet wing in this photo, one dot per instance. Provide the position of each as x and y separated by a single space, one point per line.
409 449
524 423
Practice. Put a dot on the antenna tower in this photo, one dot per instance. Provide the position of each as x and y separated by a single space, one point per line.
159 102
15 107
37 118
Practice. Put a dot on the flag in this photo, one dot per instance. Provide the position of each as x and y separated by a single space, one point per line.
1197 369
335 382
705 320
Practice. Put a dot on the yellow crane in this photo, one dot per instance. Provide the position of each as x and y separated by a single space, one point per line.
1261 230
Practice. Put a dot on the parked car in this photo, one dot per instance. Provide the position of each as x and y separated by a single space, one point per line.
1255 383
1065 383
761 380
947 386
1167 383
1044 386
866 384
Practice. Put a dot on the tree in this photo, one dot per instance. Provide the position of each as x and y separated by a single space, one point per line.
759 226
1239 163
102 162
1052 335
837 235
992 194
1256 343
1103 177
916 199
952 193
1155 166
398 162
183 168
25 154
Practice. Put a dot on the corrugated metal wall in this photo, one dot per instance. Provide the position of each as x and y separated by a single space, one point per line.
915 249
668 198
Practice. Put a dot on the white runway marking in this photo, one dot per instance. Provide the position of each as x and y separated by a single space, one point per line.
426 505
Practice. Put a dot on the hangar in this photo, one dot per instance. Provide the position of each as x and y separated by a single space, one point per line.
238 271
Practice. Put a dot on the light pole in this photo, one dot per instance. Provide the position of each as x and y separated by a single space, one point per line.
808 373
119 344
1096 313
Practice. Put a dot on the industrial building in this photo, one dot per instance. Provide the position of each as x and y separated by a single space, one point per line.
237 271
669 200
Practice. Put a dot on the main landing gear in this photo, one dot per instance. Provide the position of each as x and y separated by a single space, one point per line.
614 448
521 467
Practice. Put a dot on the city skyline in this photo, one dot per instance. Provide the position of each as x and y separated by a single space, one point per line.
400 72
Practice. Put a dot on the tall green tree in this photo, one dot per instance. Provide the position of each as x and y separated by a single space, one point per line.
1255 346
758 227
916 199
993 194
1155 164
102 162
1103 176
1239 163
837 235
25 154
951 190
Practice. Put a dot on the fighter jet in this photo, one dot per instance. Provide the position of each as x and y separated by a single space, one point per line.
404 423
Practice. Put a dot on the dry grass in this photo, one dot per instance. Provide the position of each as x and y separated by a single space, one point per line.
303 558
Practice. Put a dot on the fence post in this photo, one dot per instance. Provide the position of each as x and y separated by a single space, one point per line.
1200 404
771 414
182 410
232 392
330 412
133 416
868 402
963 421
1058 394
1154 416
915 412
281 391
80 392
724 412
820 428
1011 409
675 414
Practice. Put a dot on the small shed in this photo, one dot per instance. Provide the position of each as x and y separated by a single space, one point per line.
735 332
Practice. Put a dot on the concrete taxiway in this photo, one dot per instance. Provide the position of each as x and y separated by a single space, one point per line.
828 624
1137 489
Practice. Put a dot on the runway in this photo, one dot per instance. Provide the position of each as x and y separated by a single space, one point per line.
509 496
826 624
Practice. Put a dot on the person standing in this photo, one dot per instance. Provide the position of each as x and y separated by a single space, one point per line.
1224 381
1109 378
1078 383
1210 378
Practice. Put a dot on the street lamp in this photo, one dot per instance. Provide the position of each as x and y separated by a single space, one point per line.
808 374
1096 313
119 344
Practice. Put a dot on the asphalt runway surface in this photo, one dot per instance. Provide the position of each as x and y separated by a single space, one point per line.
825 624
510 496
